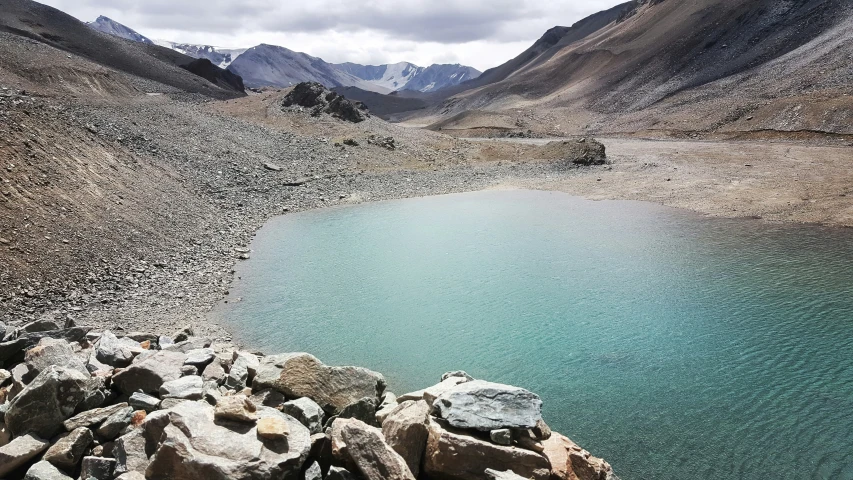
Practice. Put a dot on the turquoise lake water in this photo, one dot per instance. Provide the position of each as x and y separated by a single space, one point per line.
673 345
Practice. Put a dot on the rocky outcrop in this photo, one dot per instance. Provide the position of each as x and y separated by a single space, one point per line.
321 100
284 416
567 153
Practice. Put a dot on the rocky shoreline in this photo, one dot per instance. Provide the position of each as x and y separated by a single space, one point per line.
75 403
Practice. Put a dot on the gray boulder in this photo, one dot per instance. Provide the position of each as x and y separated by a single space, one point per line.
243 369
92 417
429 394
114 424
20 451
99 468
508 475
338 473
214 372
273 399
113 351
200 357
363 409
67 452
51 351
150 371
303 375
129 452
187 388
457 373
45 471
502 436
143 401
307 412
192 444
47 401
313 472
487 406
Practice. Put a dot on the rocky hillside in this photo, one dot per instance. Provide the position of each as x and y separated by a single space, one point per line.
109 26
705 65
51 27
81 404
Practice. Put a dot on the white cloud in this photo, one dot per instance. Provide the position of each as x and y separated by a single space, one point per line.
480 33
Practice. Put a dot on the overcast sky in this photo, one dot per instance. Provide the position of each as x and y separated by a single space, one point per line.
479 33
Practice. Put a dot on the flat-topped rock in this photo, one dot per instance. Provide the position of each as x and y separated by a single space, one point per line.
487 406
193 444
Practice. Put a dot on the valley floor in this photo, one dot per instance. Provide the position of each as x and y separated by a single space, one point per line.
778 182
131 215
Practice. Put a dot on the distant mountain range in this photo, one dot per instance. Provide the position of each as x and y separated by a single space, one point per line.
270 65
408 76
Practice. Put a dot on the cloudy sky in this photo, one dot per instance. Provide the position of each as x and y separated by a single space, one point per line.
480 33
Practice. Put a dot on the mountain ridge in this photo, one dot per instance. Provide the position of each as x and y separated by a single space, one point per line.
384 78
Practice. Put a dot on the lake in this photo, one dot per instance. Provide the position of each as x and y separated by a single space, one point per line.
673 345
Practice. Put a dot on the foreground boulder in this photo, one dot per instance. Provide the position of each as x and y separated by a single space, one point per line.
454 455
303 375
193 445
488 406
47 401
362 446
406 430
20 451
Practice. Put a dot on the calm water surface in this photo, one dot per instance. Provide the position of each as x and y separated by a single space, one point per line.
673 345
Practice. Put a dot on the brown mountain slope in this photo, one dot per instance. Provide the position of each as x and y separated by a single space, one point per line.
686 65
52 27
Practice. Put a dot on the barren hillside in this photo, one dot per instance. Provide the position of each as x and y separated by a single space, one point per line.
705 65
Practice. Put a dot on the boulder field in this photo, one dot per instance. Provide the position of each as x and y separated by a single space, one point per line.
80 404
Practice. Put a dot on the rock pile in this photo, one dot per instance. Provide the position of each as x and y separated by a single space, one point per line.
582 152
78 404
321 100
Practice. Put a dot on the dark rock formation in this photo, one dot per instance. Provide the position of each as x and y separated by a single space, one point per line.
316 97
